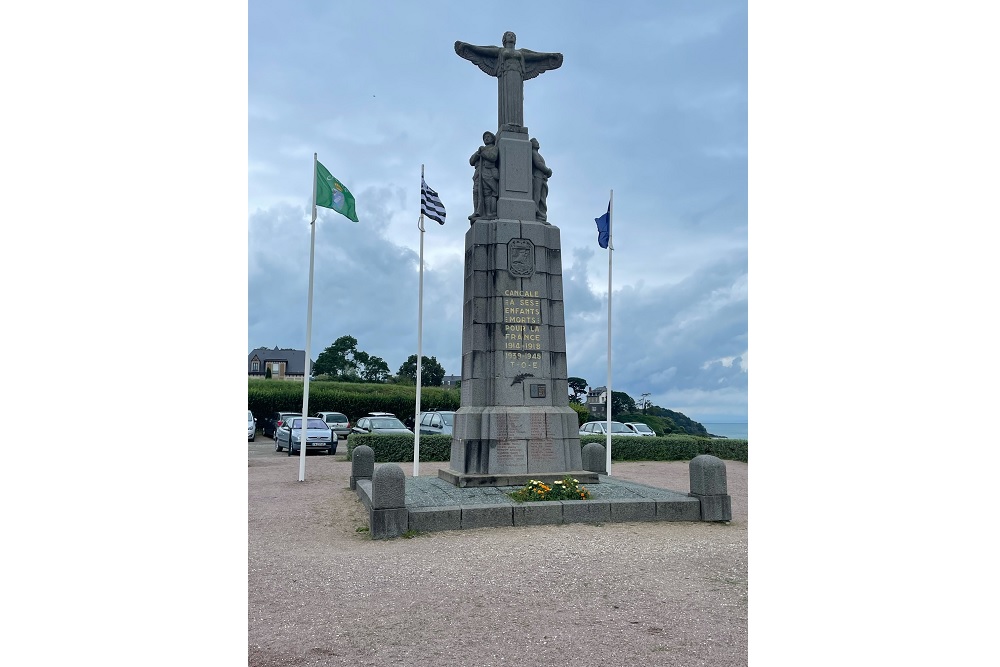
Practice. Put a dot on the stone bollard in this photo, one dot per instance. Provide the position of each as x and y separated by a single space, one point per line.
708 484
388 516
362 464
595 458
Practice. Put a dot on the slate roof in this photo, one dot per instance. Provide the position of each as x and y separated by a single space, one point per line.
294 359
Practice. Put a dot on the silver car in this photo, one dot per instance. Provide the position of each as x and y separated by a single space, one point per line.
380 424
251 426
338 423
318 436
437 422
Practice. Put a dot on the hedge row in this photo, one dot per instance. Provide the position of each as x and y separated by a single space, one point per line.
399 448
265 397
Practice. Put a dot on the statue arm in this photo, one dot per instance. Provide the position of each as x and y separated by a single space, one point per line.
535 63
539 163
483 57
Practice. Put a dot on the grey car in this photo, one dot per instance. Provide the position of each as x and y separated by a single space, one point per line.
319 437
380 424
338 423
437 422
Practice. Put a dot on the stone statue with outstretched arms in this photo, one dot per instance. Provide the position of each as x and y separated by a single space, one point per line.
512 67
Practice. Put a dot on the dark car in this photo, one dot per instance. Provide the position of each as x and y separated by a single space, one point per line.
273 423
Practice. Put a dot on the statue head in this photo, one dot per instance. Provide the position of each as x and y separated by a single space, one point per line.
534 144
488 137
509 37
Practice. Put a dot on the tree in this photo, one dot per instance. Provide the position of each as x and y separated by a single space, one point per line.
267 372
337 360
577 386
431 372
682 423
621 403
371 369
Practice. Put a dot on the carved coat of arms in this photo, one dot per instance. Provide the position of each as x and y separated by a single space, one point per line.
521 258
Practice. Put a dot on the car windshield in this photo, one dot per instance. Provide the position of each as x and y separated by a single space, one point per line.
642 428
249 416
448 417
313 423
336 419
386 422
618 427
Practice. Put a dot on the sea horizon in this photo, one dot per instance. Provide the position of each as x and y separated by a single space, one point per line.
736 430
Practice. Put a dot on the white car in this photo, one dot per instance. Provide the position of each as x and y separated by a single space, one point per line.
318 436
251 426
640 429
600 428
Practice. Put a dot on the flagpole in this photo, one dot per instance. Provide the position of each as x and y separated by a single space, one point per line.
304 434
611 247
420 331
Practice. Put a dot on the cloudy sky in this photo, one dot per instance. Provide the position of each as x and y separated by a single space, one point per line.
134 132
651 102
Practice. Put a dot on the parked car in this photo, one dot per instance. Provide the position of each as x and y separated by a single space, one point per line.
338 423
272 423
437 422
379 423
318 436
640 429
600 428
251 426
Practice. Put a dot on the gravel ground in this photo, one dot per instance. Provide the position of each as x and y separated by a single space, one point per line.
616 594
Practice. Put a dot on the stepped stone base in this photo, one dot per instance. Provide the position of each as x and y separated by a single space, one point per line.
465 480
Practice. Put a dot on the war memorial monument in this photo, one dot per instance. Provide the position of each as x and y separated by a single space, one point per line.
514 423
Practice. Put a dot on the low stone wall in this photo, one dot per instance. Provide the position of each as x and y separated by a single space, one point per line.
382 490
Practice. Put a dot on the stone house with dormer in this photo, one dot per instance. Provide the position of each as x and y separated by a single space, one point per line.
597 401
285 363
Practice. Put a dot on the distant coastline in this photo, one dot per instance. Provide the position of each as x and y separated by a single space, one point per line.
733 430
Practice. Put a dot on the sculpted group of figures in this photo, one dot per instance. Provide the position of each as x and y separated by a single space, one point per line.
486 180
512 67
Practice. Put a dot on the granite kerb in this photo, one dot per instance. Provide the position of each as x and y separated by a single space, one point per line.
433 504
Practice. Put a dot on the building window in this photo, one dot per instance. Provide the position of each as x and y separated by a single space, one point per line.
255 365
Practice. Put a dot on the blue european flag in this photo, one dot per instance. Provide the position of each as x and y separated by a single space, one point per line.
604 228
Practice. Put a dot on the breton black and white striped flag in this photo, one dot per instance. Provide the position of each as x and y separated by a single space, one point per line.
430 203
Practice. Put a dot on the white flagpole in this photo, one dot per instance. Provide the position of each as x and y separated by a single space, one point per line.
420 331
611 247
304 435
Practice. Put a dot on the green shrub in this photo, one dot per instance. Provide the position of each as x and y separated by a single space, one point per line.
353 399
669 447
582 413
399 448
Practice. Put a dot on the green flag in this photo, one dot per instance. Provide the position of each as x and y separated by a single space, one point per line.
331 193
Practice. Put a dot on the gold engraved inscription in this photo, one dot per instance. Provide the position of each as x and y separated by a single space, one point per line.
523 360
522 337
522 311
